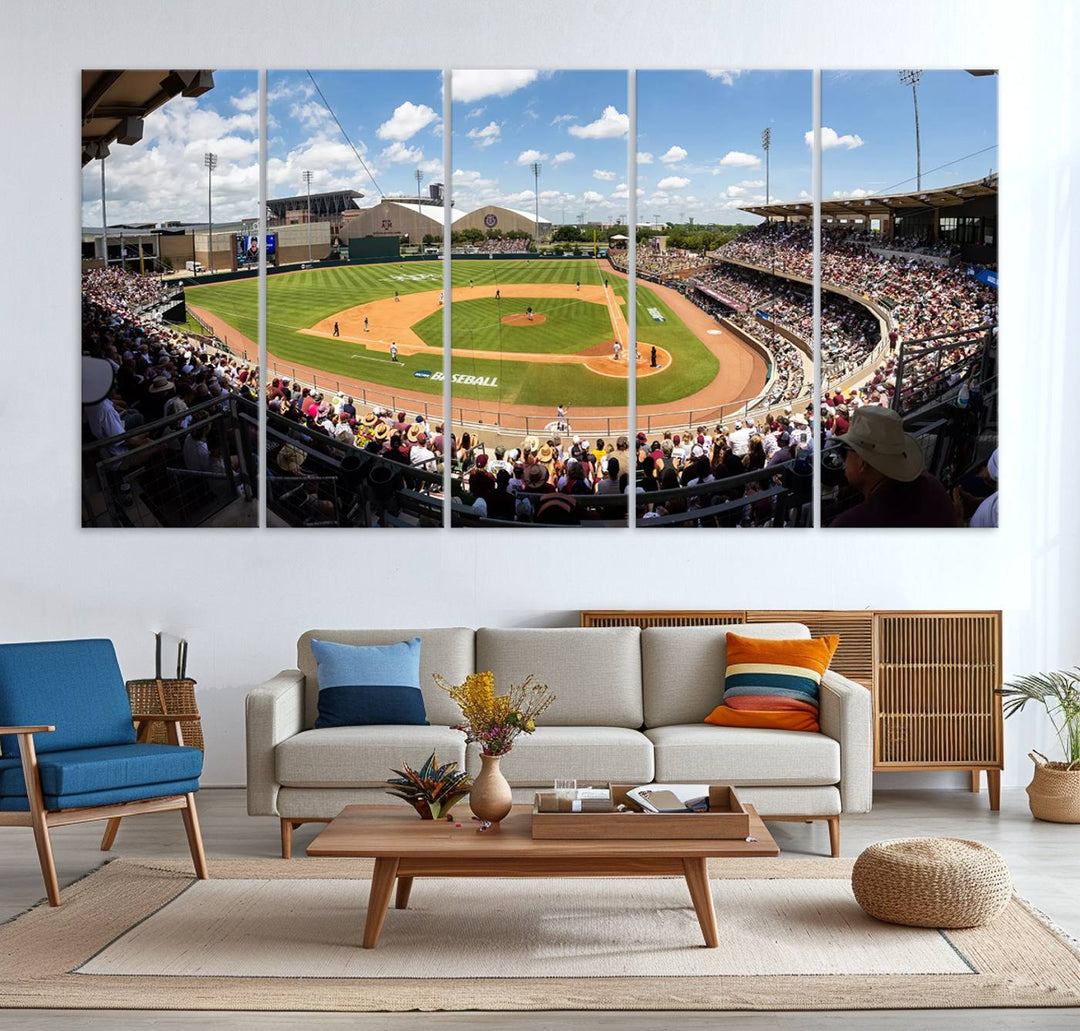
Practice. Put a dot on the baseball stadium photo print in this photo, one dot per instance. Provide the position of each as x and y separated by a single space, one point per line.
909 298
540 345
571 196
723 430
170 174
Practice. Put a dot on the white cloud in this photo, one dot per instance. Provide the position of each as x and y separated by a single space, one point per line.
673 155
407 120
855 194
725 75
739 159
562 118
603 175
592 197
433 168
245 101
527 157
476 112
562 157
622 191
644 157
735 191
753 184
609 126
472 85
829 139
673 182
519 197
487 136
398 153
163 176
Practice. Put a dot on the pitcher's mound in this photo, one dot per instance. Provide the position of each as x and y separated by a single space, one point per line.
521 319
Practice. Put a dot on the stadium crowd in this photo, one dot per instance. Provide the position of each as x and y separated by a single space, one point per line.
158 371
504 246
658 264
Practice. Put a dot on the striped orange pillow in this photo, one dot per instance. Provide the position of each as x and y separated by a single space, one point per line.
773 684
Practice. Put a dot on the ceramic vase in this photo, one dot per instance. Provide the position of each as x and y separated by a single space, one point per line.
490 798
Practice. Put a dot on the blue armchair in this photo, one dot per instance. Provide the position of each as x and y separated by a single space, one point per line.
68 749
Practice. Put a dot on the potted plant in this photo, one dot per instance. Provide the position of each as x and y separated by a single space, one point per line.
433 790
1054 792
493 722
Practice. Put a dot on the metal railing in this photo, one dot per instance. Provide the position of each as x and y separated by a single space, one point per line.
140 477
921 376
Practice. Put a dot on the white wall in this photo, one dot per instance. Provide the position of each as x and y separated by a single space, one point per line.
235 594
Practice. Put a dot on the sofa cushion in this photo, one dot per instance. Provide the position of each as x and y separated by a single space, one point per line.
590 755
364 684
743 755
683 667
74 685
448 651
773 684
362 756
594 674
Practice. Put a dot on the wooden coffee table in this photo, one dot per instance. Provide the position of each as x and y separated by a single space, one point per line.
404 846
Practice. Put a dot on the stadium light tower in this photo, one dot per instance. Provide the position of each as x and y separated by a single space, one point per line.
536 197
766 139
210 161
307 182
910 77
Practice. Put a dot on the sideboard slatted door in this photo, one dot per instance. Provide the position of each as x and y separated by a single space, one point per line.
935 700
643 619
854 656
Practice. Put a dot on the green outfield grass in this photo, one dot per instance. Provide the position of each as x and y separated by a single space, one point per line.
299 300
569 325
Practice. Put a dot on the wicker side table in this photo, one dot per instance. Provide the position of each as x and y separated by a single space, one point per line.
932 882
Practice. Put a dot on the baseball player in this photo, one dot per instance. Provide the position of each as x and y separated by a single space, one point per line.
393 351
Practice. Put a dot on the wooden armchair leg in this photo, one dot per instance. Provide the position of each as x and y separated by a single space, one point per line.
109 836
28 756
194 836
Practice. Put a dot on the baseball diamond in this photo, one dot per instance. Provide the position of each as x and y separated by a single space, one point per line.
505 365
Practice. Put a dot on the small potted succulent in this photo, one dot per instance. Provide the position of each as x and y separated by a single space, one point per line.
1054 792
433 790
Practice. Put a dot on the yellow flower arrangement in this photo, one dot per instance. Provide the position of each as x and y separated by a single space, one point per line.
494 721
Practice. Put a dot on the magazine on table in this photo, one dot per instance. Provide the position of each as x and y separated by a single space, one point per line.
671 798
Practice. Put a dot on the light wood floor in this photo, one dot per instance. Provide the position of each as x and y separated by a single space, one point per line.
1044 858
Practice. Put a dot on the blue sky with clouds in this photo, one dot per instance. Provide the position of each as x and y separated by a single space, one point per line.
574 123
162 177
394 118
872 118
699 142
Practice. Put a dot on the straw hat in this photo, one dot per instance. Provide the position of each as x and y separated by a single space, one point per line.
877 436
545 454
413 432
369 420
382 431
530 444
289 459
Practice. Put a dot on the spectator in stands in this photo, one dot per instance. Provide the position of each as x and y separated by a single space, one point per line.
886 466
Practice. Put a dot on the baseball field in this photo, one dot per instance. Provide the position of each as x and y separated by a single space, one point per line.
382 325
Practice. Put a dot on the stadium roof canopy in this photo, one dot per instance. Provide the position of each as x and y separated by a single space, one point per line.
302 199
882 205
531 216
114 103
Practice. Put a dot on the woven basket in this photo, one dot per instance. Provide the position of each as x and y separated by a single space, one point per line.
932 882
166 698
1054 791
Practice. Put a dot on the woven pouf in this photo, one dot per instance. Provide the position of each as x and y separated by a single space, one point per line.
932 882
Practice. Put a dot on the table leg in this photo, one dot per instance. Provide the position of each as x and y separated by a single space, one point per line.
382 885
404 887
975 781
697 880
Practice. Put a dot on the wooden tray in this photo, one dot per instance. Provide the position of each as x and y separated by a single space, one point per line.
726 819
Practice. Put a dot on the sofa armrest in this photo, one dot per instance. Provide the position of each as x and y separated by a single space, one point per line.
846 716
274 712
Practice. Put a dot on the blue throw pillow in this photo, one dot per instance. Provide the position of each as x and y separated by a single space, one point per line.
363 685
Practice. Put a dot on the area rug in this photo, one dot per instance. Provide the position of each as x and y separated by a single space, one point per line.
268 934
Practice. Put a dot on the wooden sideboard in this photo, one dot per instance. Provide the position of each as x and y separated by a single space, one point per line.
934 676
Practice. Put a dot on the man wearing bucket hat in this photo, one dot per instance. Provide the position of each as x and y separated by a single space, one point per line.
886 466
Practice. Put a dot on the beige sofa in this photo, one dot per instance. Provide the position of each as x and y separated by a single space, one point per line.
629 707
